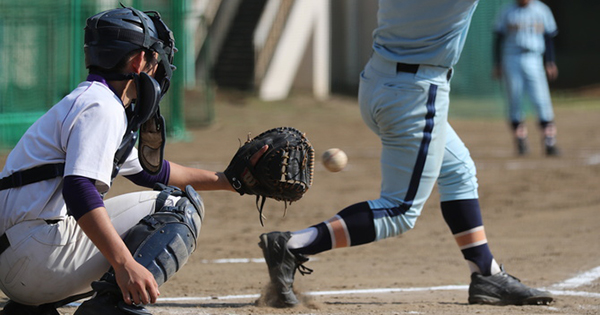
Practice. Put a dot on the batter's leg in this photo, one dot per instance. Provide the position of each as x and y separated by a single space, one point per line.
410 117
460 205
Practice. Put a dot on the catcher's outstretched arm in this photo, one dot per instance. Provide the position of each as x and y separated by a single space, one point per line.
203 179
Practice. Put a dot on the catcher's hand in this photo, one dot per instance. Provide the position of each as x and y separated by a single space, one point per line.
284 172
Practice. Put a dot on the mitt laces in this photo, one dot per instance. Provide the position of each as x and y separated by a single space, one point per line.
260 207
260 204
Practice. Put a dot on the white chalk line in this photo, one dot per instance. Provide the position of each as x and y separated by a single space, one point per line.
579 280
364 291
241 260
233 261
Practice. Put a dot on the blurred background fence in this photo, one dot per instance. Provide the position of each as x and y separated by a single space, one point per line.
230 45
41 57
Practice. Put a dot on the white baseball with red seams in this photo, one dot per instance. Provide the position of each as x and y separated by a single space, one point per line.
334 159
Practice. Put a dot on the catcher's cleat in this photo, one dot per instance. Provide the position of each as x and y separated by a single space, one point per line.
282 266
108 300
14 308
504 289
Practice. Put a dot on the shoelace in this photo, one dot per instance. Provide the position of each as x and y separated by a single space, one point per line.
514 277
303 270
506 274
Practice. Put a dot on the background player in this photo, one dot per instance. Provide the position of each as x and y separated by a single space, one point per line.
57 235
404 99
524 57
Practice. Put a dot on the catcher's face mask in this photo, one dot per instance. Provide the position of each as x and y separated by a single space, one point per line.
146 114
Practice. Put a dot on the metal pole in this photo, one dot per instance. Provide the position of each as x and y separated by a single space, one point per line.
178 9
76 44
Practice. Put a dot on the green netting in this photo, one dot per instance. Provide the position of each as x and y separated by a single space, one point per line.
13 125
473 76
41 58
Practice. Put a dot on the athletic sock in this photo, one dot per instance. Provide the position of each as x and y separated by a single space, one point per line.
463 217
350 227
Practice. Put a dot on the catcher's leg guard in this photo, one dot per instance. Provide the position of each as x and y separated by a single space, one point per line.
162 242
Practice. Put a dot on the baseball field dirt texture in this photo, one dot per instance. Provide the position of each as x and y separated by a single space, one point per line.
541 216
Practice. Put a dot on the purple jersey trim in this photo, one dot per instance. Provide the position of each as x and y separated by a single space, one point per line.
146 180
81 195
98 78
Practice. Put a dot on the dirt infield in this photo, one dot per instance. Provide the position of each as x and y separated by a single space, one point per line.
541 217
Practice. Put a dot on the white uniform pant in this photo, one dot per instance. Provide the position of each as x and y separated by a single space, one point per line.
525 73
50 262
409 113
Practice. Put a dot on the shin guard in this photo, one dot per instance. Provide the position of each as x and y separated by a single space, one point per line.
162 242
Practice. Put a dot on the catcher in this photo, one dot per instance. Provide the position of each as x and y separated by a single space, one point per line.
60 241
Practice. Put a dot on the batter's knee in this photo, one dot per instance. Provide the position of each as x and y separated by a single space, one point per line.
392 219
460 182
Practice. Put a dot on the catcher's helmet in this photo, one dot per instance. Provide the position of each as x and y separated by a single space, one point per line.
112 34
109 37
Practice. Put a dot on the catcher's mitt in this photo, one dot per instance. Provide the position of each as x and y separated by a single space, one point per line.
284 172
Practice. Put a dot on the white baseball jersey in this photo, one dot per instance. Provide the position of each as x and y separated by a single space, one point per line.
84 131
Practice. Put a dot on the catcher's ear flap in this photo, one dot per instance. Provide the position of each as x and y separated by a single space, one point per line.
152 144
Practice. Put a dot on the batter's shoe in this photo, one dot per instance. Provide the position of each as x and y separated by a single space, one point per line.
552 150
504 289
282 264
550 146
522 146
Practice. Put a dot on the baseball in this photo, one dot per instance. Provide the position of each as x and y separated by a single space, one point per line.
334 159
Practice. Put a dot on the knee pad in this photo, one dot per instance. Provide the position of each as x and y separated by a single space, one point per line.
163 241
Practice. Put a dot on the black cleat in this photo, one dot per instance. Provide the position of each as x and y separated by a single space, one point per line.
504 289
282 266
522 146
552 150
108 300
550 145
14 308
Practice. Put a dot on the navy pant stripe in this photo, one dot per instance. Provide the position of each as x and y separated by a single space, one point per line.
422 156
